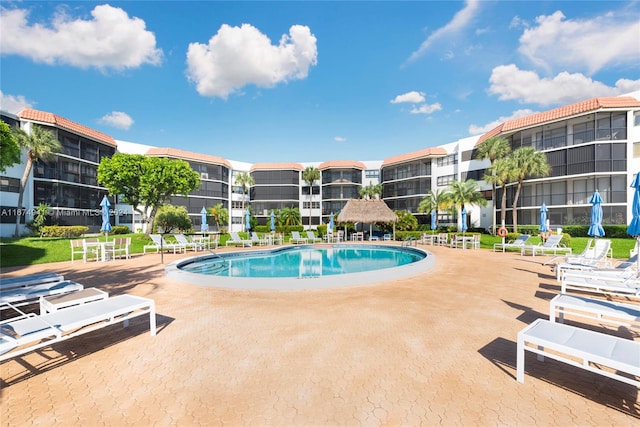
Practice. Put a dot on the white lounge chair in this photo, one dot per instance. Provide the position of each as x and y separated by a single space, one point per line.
189 244
236 240
159 243
610 312
296 238
603 354
607 283
551 245
311 237
518 243
257 240
29 280
30 294
596 254
29 332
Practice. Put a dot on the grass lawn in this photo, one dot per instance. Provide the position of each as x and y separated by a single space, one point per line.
35 250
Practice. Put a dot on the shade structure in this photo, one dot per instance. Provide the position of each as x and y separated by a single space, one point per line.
273 221
105 205
368 211
331 225
543 218
595 229
634 227
247 222
463 214
433 219
204 226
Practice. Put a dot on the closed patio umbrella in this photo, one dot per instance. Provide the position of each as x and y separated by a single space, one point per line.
433 220
204 226
331 223
595 229
273 221
106 225
464 220
634 227
247 224
543 218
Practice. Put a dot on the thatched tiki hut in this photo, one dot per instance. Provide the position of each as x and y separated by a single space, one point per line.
368 211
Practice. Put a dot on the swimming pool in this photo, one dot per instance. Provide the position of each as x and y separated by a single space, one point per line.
301 266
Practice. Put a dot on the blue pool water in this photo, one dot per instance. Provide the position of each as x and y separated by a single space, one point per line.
306 261
324 266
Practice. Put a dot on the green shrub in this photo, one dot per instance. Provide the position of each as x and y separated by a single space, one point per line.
63 230
171 218
566 239
119 229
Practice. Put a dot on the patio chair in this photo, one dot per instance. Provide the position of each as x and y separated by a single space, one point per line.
118 248
257 240
311 237
610 312
624 284
158 243
386 237
7 283
518 243
84 248
236 240
30 294
296 238
189 244
551 245
603 354
28 332
443 239
595 254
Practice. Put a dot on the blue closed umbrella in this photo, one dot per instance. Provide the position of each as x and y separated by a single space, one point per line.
464 219
106 225
634 227
595 229
433 219
273 221
204 226
331 224
247 224
543 218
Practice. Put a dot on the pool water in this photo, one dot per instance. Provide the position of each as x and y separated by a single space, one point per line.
304 262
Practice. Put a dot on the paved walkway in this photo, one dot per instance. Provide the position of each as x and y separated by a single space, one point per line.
433 349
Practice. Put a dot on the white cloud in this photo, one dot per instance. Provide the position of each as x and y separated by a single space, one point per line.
239 56
458 23
426 108
13 104
413 97
511 83
556 43
340 139
117 119
479 130
110 40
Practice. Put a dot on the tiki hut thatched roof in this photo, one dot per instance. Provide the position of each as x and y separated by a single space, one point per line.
367 211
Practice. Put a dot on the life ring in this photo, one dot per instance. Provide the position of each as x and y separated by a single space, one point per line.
502 232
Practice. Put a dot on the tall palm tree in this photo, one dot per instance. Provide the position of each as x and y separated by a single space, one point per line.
501 173
245 181
467 192
435 201
40 144
493 148
310 175
371 191
220 214
526 162
288 216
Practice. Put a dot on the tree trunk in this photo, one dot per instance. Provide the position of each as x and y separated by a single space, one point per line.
514 207
23 185
503 205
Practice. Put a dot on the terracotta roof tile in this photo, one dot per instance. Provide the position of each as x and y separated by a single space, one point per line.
281 166
415 155
342 164
187 155
564 112
66 124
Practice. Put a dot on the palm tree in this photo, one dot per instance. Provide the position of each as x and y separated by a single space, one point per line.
526 162
40 144
310 175
435 201
288 216
493 148
466 192
371 191
220 214
245 181
501 173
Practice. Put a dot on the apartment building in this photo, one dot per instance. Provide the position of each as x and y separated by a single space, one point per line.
591 145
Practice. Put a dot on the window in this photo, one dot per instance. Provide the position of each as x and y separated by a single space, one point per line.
451 159
445 180
10 185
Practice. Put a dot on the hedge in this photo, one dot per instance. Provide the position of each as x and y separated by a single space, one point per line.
63 231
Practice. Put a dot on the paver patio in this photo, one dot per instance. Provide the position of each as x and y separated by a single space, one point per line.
438 348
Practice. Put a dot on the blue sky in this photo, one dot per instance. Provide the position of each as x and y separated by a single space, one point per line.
311 81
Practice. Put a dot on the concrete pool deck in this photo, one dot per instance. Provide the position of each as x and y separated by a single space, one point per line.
436 348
